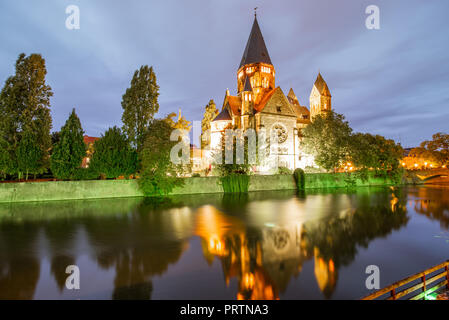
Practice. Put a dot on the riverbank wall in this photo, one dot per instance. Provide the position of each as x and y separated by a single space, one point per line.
102 189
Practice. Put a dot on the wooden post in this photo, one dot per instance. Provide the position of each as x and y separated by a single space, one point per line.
447 275
423 279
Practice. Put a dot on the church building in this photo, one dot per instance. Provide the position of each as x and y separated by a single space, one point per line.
259 104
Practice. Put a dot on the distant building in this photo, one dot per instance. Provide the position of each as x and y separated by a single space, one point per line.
260 104
89 141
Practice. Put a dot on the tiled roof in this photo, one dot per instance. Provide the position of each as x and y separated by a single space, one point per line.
321 85
88 140
259 107
235 103
223 115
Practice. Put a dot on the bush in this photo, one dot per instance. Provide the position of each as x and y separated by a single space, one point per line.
196 175
158 175
113 155
69 151
284 170
300 178
84 174
235 183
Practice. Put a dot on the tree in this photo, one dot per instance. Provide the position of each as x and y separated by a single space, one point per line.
29 154
180 123
113 155
140 104
375 152
68 153
436 149
5 159
159 175
327 139
209 115
25 103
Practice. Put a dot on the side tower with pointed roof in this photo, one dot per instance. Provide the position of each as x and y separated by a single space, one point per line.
320 97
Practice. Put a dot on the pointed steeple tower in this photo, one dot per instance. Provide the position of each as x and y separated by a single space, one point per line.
255 66
256 50
320 97
321 85
292 97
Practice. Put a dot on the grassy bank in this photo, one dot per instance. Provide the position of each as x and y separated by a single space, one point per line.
97 189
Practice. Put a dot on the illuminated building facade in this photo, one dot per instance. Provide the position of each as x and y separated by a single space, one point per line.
259 104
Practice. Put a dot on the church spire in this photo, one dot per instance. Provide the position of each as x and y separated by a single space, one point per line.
255 50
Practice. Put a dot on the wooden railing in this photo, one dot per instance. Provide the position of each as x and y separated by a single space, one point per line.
439 277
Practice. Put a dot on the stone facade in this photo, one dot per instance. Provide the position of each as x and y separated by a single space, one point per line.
259 104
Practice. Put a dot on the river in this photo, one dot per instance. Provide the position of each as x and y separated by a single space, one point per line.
261 245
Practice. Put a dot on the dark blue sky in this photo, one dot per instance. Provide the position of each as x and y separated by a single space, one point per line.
393 81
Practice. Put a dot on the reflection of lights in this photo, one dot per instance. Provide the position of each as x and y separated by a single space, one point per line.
216 246
270 225
331 265
248 281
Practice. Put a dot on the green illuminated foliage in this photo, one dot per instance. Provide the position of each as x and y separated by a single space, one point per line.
140 104
25 103
69 151
158 175
327 138
113 155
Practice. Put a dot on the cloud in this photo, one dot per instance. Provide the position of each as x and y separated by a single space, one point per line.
392 81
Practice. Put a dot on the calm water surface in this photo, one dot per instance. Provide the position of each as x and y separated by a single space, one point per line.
265 245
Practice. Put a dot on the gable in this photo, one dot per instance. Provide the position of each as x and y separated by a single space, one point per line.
278 103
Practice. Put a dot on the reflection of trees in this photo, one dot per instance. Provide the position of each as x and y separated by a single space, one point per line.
334 240
60 234
433 203
139 240
19 266
265 257
139 246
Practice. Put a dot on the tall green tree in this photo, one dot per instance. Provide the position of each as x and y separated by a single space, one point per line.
69 151
158 175
113 155
327 138
29 154
5 159
209 114
25 103
140 104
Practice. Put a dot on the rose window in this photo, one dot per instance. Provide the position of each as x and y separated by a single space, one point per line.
281 132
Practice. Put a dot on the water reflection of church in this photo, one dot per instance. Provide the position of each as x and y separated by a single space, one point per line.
262 244
265 258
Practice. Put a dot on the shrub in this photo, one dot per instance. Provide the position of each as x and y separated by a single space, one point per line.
158 175
284 170
300 178
113 155
196 175
235 183
84 174
69 151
